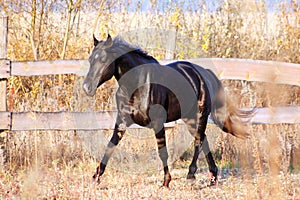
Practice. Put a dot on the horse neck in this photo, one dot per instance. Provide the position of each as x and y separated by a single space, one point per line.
127 62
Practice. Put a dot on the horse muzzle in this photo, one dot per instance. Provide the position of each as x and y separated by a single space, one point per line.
89 90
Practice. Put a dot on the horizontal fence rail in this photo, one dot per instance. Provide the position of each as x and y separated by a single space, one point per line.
234 69
39 68
106 119
253 70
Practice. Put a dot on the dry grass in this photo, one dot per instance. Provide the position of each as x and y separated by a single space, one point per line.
76 183
59 165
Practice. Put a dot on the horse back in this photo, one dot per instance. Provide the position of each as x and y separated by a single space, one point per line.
197 74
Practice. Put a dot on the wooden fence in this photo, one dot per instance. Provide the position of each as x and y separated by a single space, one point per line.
234 69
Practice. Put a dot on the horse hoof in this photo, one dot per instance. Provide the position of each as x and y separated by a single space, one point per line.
96 178
191 176
165 186
213 183
166 183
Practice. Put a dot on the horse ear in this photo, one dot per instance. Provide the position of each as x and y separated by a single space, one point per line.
96 42
109 41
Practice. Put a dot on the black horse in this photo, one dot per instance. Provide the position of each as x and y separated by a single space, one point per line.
151 94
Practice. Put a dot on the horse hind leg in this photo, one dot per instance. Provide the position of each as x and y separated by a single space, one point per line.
193 165
210 161
197 146
202 143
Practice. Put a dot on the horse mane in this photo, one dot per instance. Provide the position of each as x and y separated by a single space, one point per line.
120 42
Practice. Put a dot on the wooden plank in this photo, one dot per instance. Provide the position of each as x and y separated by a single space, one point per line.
49 67
277 115
4 69
106 119
4 74
3 36
253 70
171 43
67 121
63 120
237 69
4 120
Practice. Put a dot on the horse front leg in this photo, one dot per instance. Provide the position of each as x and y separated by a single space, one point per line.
114 141
163 154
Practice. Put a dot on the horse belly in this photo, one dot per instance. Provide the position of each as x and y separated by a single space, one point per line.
140 118
173 111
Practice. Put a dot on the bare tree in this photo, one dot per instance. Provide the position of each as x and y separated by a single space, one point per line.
36 27
99 13
73 9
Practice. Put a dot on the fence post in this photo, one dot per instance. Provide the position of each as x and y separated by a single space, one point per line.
171 44
4 74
